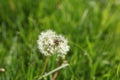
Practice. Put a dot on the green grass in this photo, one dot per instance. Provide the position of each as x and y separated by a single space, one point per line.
91 26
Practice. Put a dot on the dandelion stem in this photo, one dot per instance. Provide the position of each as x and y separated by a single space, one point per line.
57 72
45 64
55 75
59 64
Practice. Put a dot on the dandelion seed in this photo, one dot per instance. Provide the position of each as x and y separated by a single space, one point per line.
50 43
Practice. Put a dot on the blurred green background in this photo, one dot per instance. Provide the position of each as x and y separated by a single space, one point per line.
91 26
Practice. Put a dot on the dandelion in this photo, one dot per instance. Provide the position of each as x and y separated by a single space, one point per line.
49 43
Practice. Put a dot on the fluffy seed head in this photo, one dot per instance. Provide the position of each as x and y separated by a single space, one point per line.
50 43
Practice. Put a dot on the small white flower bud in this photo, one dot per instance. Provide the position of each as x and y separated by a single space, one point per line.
2 70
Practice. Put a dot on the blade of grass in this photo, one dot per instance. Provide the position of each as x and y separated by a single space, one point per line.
63 66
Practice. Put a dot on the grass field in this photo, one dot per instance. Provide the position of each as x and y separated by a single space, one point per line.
91 26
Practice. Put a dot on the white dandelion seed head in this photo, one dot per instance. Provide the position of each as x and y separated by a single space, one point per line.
50 43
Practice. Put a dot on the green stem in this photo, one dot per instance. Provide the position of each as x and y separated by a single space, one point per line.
45 64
